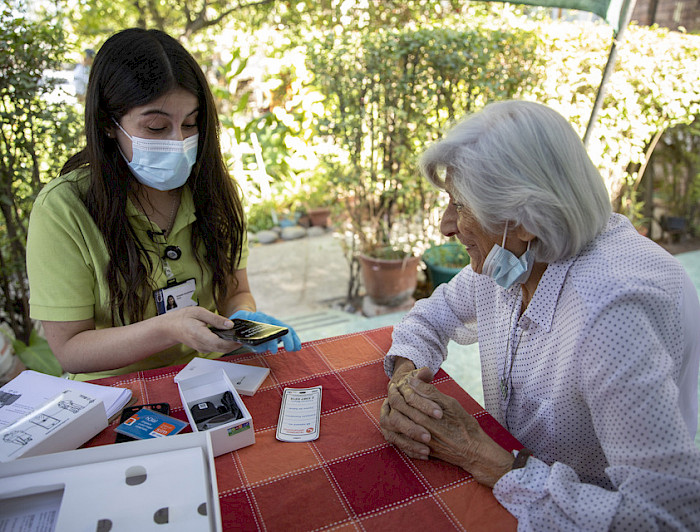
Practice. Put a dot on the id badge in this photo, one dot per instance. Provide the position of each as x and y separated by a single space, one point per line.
175 296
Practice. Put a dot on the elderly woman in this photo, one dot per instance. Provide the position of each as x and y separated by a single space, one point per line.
588 337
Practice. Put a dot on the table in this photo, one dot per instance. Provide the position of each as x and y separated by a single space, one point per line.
350 478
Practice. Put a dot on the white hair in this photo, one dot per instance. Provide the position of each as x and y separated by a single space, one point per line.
522 163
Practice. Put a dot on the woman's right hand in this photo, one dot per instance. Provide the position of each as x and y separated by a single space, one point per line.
81 348
397 427
190 326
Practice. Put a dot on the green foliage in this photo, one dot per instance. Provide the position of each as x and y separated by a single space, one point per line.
389 253
197 17
180 19
260 216
391 92
676 163
35 132
363 16
316 192
443 261
37 355
653 88
448 255
279 115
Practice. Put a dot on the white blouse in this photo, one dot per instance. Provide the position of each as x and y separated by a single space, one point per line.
599 377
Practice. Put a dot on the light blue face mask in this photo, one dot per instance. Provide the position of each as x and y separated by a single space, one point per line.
161 164
505 268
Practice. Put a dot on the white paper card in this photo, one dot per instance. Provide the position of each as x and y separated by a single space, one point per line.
300 414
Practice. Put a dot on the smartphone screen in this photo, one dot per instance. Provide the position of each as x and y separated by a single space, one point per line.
300 414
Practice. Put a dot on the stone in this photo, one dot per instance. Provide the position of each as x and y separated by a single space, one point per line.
315 231
267 237
292 233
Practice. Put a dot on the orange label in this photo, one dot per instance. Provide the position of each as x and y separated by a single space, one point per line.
164 429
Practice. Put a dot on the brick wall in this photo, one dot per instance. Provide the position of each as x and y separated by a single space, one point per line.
668 13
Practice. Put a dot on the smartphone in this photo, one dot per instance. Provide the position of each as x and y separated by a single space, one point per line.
163 408
250 332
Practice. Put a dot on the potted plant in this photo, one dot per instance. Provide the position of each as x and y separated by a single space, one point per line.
390 277
383 232
319 216
444 261
318 204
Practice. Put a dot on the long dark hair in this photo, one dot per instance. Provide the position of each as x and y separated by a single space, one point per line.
132 68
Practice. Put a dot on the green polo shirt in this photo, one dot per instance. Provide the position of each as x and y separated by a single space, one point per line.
67 263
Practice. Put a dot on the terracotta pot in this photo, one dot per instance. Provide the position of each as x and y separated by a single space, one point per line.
319 216
389 282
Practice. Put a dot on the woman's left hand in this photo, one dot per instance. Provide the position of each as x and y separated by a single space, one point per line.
456 437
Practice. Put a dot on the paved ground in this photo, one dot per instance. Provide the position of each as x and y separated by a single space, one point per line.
298 276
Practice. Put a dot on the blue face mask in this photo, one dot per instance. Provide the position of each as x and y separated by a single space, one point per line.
161 164
505 268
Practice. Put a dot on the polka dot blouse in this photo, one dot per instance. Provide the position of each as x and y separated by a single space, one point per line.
599 377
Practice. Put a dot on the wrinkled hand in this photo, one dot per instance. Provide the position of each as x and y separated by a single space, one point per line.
455 437
399 429
290 340
190 326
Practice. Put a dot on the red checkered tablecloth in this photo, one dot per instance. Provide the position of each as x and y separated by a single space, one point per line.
350 477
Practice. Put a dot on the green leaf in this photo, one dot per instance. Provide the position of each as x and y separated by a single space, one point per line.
243 102
37 355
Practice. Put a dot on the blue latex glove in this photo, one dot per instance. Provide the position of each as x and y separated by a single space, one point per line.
290 340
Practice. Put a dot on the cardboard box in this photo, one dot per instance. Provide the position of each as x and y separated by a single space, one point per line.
246 379
63 423
210 387
139 485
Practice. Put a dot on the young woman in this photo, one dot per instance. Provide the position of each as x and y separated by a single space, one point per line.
145 213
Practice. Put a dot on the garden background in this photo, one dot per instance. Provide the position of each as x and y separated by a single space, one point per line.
343 96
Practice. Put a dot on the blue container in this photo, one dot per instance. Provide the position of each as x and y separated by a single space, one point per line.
445 261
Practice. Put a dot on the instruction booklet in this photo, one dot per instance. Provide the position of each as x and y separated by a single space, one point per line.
31 389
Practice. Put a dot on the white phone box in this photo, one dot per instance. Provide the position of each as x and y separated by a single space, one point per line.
138 485
246 379
209 387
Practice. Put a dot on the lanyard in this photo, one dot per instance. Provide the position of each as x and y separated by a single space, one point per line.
168 271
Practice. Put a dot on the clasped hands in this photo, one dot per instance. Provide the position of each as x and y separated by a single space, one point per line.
423 422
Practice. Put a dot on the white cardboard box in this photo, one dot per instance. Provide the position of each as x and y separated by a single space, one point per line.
246 379
63 423
210 387
139 485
